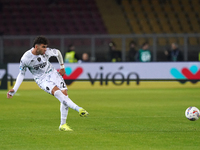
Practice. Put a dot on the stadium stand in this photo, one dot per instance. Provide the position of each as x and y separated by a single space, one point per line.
114 19
167 16
50 17
80 17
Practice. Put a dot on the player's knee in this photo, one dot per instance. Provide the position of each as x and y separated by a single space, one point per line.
64 92
54 90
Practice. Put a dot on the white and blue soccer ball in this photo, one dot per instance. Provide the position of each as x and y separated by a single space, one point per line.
192 113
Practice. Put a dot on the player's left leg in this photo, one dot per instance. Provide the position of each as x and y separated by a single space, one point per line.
65 103
60 92
55 85
64 112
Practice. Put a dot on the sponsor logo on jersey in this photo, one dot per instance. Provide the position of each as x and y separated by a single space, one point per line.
42 65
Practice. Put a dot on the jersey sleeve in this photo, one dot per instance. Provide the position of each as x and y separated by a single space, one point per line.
22 67
51 52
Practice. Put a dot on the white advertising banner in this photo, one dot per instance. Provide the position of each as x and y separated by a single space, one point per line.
119 71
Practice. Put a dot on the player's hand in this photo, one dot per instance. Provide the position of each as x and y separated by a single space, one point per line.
9 95
62 71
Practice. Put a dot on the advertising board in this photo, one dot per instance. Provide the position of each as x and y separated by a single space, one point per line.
123 73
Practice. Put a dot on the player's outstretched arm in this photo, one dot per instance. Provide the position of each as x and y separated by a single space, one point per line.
60 60
18 82
10 92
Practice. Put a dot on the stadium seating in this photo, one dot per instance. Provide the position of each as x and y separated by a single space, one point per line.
167 16
50 17
113 17
64 17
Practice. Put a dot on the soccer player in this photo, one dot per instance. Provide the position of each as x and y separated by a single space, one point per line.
46 76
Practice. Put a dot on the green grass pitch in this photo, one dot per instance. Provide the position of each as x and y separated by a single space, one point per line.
120 119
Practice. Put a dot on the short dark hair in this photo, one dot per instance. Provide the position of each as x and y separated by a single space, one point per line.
145 43
132 42
70 46
40 40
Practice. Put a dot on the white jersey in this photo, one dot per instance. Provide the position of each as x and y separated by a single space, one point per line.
38 65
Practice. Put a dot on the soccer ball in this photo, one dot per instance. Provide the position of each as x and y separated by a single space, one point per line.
192 113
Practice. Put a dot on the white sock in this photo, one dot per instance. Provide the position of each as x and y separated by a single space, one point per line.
63 113
65 100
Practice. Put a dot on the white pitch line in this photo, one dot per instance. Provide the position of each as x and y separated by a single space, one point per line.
136 117
5 93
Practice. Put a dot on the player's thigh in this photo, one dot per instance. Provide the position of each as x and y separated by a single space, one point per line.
58 80
54 82
47 86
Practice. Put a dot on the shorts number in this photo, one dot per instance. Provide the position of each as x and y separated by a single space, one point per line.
62 84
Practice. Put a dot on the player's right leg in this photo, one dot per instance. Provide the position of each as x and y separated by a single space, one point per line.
60 92
54 85
66 101
82 112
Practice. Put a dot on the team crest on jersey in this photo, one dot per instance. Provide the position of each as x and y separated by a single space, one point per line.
39 59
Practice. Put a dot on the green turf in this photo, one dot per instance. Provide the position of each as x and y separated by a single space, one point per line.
124 119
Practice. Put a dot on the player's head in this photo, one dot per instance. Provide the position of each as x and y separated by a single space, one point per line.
40 40
40 45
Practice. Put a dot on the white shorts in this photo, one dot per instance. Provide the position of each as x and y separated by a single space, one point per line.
51 80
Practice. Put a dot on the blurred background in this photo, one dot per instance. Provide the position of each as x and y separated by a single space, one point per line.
106 30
